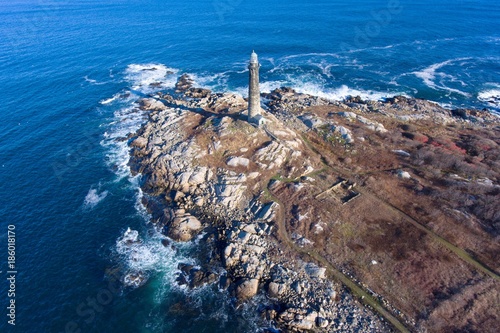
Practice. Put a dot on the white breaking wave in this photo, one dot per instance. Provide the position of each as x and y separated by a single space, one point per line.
209 81
128 120
143 79
342 92
316 82
325 67
110 100
430 75
139 257
142 256
150 77
318 89
267 86
146 256
94 82
93 198
490 96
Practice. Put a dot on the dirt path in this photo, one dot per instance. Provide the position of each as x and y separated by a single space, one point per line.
358 291
363 296
461 253
455 249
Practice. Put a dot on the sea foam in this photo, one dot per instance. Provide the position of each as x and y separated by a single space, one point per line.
436 80
318 89
94 82
142 256
93 197
490 96
150 77
110 100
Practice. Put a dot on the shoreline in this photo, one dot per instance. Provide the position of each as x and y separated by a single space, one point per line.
212 195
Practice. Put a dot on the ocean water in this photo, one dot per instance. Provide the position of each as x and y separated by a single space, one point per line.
70 72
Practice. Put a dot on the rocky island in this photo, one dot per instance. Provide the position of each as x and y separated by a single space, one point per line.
351 216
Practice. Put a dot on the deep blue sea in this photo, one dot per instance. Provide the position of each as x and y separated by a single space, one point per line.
65 185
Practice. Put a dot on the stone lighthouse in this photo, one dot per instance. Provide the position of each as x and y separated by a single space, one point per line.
253 90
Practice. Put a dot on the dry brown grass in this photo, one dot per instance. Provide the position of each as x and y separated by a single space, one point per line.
414 272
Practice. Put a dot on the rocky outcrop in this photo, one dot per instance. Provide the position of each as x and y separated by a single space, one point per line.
198 93
171 161
224 103
184 226
247 288
184 83
151 104
238 161
195 277
206 172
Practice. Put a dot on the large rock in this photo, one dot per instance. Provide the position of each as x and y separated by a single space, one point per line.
183 83
199 176
151 104
403 174
197 93
183 228
275 290
139 142
226 103
303 324
315 271
199 278
345 133
354 99
190 178
238 161
312 121
247 288
194 277
272 156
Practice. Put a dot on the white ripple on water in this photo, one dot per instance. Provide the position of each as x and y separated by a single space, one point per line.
434 79
93 197
95 82
110 100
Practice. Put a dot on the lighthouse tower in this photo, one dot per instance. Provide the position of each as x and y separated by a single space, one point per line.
253 90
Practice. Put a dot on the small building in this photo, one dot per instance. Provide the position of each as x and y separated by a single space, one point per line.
258 120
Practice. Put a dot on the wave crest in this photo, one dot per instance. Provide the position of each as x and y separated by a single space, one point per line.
150 77
436 80
93 198
490 96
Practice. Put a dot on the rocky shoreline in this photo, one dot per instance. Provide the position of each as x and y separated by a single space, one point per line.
206 171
